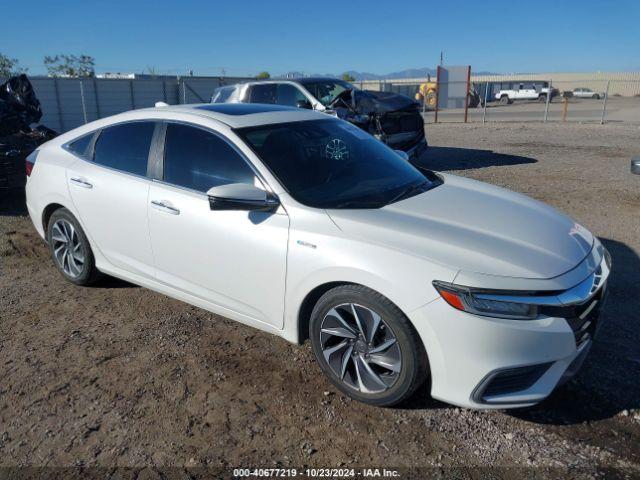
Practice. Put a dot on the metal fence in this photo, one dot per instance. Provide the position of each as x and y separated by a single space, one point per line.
70 102
583 100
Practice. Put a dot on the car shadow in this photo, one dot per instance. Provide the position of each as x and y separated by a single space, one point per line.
454 158
608 383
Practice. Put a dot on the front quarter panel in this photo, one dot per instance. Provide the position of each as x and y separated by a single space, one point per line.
319 253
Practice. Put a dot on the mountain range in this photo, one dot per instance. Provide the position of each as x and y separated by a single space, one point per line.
408 73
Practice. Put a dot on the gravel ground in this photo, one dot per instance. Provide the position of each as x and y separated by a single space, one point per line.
116 375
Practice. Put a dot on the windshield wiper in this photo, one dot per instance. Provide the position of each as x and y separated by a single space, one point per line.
408 191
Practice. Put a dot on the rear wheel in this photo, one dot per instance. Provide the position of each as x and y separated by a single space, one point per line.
595 96
70 248
504 100
542 98
366 346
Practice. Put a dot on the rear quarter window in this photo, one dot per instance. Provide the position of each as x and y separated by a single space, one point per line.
81 146
125 147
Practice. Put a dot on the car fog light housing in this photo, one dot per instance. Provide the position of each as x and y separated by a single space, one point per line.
476 302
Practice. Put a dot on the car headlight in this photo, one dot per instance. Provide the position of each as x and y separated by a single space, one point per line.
475 301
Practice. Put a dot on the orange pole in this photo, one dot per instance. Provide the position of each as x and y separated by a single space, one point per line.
565 106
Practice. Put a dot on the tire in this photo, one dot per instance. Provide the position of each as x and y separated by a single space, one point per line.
430 100
354 367
542 98
504 100
76 264
595 96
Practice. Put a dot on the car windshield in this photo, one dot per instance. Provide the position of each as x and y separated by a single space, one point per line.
333 164
327 90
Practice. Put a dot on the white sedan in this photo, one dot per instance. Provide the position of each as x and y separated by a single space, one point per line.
304 226
587 93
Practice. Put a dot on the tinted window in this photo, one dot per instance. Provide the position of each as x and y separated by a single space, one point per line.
197 159
265 93
289 95
333 164
125 147
80 146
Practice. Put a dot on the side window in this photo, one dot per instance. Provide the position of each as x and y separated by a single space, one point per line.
289 95
264 93
81 145
197 159
125 147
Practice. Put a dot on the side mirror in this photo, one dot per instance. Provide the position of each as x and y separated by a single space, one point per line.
635 165
241 196
304 104
403 154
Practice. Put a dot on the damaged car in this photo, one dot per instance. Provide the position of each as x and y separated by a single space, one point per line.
19 109
390 117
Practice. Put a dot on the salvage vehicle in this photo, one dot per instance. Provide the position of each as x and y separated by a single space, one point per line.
392 118
304 226
19 108
526 91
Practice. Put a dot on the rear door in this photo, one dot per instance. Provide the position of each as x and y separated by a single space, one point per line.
234 259
109 190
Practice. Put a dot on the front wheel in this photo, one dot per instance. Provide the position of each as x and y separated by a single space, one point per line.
366 346
596 96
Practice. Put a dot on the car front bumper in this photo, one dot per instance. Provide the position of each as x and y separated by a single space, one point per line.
486 362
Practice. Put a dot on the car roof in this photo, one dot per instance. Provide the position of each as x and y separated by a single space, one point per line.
239 115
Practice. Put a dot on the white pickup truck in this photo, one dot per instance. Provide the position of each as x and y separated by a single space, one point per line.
524 92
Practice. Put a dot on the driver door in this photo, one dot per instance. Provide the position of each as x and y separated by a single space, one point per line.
233 259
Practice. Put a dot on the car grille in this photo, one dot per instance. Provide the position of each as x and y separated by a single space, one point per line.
401 122
584 322
583 318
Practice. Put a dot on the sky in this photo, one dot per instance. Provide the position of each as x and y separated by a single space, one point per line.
245 37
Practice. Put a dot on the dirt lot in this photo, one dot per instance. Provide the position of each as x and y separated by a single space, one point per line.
117 375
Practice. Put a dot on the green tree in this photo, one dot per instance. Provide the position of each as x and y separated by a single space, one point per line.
348 78
263 75
9 67
69 65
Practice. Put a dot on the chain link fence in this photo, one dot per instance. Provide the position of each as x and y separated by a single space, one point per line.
68 103
586 100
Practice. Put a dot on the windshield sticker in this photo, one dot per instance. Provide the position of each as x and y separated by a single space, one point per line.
359 133
336 149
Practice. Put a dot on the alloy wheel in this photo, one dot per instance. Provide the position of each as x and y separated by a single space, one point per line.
67 248
360 348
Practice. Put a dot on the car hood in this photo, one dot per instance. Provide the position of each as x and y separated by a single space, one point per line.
475 227
369 102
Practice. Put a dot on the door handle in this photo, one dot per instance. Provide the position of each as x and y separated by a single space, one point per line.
81 182
163 207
